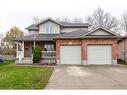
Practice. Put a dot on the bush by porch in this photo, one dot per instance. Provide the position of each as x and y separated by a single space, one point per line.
37 54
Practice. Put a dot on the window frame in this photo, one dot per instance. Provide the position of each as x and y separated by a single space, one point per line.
49 28
49 47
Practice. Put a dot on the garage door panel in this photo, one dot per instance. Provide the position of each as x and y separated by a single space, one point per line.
70 54
99 54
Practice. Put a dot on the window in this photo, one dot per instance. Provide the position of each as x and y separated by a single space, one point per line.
49 28
49 47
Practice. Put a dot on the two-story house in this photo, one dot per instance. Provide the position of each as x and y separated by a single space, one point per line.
68 43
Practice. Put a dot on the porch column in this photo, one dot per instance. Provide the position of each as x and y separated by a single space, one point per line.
34 44
23 48
17 46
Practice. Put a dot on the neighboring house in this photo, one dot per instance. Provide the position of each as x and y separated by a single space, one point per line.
68 43
122 48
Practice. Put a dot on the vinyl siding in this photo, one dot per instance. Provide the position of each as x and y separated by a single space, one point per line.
55 28
100 32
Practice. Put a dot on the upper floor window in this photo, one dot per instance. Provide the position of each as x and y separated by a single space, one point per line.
49 29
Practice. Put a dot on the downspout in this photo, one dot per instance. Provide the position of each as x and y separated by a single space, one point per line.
34 39
125 49
17 49
34 45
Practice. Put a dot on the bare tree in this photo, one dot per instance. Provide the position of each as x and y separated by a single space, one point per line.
63 19
124 22
66 19
77 20
36 19
100 18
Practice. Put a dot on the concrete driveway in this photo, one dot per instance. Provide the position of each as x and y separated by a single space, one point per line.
89 77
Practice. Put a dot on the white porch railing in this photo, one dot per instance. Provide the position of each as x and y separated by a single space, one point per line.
48 57
48 54
19 56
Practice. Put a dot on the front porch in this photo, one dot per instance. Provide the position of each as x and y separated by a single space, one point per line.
25 52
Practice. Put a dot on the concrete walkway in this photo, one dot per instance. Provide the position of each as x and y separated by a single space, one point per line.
88 77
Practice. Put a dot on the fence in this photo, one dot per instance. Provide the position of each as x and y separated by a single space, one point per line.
8 57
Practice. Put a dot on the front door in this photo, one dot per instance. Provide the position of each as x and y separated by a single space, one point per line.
27 50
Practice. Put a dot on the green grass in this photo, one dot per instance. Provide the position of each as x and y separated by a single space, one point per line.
23 77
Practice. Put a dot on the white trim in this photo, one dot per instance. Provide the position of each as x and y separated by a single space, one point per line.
17 46
34 44
23 48
36 36
47 20
102 29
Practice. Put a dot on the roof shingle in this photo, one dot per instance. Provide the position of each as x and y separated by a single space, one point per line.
66 24
32 27
36 37
26 38
73 34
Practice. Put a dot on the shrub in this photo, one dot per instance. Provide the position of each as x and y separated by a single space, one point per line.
37 54
120 61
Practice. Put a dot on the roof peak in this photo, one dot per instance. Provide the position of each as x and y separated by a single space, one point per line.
46 19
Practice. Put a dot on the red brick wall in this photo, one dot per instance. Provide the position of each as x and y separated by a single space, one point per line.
84 44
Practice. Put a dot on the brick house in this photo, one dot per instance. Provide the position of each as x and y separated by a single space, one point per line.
68 43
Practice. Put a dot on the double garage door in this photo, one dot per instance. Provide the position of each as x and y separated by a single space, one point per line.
96 54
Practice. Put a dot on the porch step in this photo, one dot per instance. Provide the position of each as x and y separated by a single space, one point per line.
26 60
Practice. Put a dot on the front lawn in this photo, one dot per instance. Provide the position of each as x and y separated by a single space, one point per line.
23 77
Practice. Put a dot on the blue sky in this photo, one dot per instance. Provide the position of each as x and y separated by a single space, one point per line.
21 12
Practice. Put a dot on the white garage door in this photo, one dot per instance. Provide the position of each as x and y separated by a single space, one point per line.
70 54
99 54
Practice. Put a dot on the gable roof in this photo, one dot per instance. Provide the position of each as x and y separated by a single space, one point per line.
109 31
85 34
78 34
32 27
48 19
